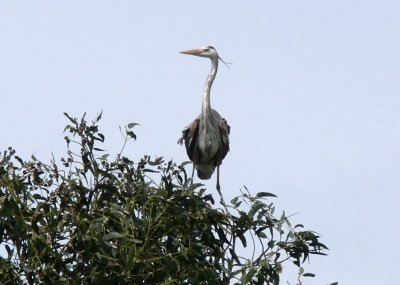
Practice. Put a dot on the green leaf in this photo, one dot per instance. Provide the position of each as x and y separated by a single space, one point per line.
185 163
131 134
234 255
265 194
278 267
150 170
131 125
10 252
71 119
262 235
242 239
19 160
256 206
101 137
37 196
99 116
112 235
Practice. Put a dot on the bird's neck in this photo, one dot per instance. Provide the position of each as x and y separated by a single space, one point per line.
206 107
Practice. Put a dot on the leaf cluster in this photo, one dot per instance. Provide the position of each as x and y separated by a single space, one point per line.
92 220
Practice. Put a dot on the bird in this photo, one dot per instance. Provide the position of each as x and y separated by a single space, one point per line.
207 137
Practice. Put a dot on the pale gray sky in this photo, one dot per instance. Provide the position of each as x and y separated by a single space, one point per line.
312 98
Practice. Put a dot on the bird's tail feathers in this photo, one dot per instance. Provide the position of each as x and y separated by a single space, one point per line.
205 172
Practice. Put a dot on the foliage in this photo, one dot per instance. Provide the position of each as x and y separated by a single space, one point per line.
91 220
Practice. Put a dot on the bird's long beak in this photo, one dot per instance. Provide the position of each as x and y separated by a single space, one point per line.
195 51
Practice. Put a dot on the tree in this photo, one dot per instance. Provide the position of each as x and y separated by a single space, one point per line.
92 220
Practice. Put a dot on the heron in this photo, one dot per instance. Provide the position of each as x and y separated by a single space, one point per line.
207 137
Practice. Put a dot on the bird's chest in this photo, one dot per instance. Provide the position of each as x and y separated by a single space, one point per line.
209 142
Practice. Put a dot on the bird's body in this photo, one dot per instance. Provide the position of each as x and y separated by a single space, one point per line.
207 137
207 143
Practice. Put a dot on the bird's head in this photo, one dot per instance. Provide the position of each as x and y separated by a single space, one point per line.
207 51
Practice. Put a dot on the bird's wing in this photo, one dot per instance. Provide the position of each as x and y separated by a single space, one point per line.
225 130
189 135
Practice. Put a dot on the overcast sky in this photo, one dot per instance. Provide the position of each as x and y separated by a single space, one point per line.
312 98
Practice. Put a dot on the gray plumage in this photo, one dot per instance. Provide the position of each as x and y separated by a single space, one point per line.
206 145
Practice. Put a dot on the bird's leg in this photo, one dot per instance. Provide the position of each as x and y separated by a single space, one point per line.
192 173
219 188
220 193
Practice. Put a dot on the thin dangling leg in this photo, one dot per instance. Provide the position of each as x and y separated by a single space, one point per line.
192 172
219 191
